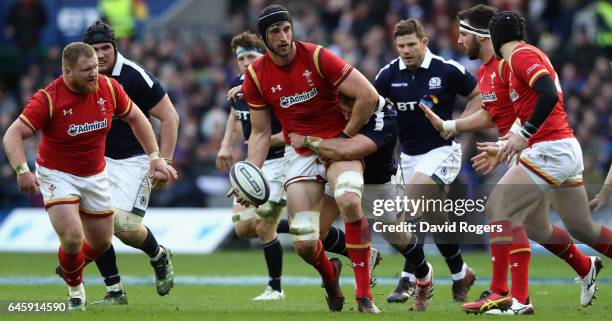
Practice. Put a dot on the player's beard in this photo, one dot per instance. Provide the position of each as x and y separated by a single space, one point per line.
284 55
473 51
87 87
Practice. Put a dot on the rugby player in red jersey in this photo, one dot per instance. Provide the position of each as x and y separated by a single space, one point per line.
498 112
74 113
545 139
300 82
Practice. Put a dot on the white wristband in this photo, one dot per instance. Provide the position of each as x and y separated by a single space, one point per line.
516 127
153 156
449 126
500 143
22 168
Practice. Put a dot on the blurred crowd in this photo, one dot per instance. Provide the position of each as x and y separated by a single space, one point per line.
197 67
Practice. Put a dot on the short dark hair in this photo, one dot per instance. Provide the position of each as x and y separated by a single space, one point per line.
73 51
408 27
478 16
247 40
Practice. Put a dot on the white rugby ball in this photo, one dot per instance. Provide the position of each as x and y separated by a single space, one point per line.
249 182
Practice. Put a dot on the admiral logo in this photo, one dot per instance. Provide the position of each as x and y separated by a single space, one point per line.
250 179
435 83
287 102
488 97
514 96
74 130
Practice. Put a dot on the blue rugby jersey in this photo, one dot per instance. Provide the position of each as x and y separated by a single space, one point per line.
243 114
439 79
382 130
145 91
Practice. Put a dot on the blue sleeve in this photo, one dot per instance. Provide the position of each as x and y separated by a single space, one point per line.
380 129
381 82
460 79
144 95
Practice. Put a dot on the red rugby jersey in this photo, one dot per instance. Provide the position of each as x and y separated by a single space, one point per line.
303 95
74 126
493 81
528 64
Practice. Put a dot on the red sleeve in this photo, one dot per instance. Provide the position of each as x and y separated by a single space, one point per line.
527 65
251 89
123 103
330 66
38 111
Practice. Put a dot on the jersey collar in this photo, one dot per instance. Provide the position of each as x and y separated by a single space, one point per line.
425 64
118 64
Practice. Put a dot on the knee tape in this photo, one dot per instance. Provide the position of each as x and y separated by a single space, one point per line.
126 221
243 215
270 211
304 226
349 182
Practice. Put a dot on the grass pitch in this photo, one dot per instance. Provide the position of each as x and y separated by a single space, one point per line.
554 297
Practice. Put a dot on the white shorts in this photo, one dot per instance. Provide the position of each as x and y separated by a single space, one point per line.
302 168
374 197
274 170
442 164
130 186
553 163
92 193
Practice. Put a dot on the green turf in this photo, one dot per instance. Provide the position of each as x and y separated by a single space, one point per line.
552 302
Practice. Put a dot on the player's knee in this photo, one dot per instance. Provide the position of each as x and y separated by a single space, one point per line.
304 226
245 229
349 204
71 242
349 182
270 211
125 221
265 230
131 238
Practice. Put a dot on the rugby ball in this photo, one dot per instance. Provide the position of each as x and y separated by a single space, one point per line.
249 182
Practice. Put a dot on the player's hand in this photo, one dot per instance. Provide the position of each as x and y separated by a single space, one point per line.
297 140
515 143
239 198
486 161
435 120
161 174
231 94
446 135
224 159
601 199
27 183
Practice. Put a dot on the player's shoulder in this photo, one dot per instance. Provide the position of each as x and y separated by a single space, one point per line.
448 65
387 69
237 81
128 71
258 64
524 51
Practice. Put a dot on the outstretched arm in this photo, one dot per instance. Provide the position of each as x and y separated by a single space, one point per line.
13 147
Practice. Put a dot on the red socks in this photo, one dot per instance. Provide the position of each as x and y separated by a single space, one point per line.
322 264
89 252
500 242
561 245
358 246
520 255
72 266
604 242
